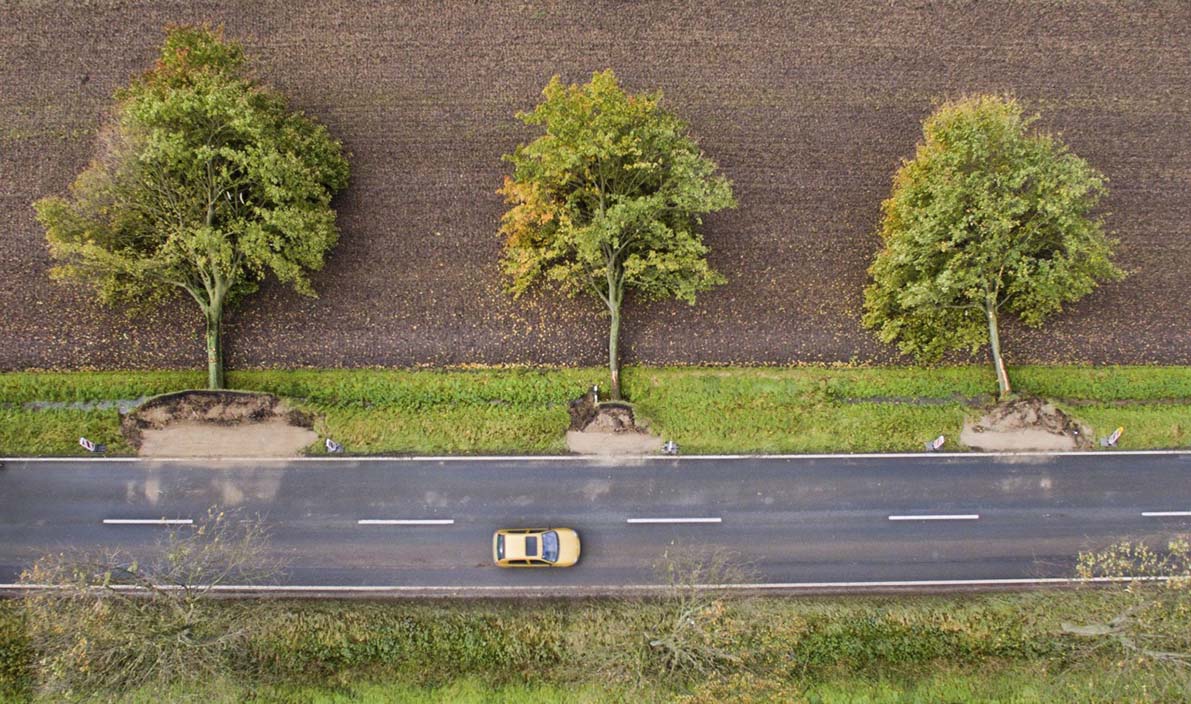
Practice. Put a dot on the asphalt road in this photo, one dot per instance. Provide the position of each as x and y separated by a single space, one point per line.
795 521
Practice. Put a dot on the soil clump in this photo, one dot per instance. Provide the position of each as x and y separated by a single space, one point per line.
217 424
607 428
1025 424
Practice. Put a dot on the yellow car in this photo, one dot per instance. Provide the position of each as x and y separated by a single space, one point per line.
535 547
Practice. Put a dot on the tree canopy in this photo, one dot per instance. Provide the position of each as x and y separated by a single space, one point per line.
205 182
1146 618
989 218
609 199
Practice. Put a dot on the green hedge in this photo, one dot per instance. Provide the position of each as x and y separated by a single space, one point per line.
306 650
16 655
426 643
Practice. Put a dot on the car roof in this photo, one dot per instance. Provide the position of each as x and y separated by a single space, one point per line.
515 545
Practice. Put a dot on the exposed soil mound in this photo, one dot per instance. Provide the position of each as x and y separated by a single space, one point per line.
607 429
583 410
217 423
1025 424
613 418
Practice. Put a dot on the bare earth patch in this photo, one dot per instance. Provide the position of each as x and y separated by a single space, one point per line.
1025 424
217 424
270 438
607 429
638 443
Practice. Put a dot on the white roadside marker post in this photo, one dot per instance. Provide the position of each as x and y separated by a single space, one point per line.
91 447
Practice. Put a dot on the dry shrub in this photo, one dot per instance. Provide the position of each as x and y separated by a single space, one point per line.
690 632
110 621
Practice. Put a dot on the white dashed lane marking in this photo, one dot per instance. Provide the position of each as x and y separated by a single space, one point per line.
405 521
674 520
148 521
939 517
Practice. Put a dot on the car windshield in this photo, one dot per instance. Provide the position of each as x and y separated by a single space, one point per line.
550 546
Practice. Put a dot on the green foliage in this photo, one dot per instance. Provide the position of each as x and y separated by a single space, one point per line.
205 183
610 195
463 691
431 643
688 633
114 621
609 199
989 218
901 638
1149 630
966 648
16 653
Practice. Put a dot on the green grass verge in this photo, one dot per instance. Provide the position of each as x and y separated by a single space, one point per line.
1017 685
1034 683
966 648
1146 426
706 409
16 655
56 431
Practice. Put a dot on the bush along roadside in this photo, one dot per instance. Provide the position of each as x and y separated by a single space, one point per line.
959 649
704 409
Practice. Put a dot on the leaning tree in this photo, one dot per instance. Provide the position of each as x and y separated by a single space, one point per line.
609 200
990 218
205 182
107 620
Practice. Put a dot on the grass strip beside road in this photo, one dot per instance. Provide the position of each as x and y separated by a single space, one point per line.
56 431
961 649
705 409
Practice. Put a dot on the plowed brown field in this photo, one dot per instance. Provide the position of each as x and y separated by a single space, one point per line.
808 105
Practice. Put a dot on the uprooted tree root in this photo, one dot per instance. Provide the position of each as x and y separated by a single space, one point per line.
224 408
1028 423
608 428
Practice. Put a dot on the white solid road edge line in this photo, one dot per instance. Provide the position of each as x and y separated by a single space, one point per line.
555 588
603 460
148 521
674 520
406 521
951 517
1159 514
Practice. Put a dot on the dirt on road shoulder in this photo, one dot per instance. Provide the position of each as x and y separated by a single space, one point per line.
217 424
608 429
1025 424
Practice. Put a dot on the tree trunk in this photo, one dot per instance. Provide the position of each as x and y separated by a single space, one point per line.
613 352
214 347
994 341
